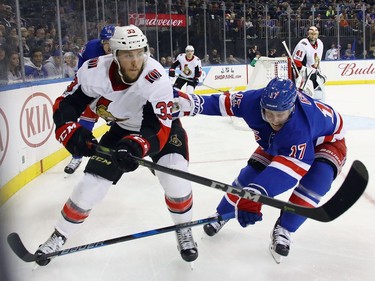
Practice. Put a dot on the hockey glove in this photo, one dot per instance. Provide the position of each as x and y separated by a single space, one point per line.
195 81
76 139
248 212
171 73
186 104
125 149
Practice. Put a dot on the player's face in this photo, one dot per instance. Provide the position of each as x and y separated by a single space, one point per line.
276 119
106 47
313 34
131 63
189 54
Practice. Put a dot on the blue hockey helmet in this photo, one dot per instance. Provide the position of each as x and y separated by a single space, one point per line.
279 95
107 32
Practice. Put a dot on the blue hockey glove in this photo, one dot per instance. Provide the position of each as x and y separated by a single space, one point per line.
249 212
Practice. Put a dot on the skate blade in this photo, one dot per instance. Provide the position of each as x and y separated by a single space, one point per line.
191 264
36 266
278 258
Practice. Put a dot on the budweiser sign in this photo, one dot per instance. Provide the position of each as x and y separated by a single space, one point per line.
350 69
161 20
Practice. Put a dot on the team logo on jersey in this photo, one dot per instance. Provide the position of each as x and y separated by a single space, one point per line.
186 70
237 99
303 99
102 111
93 63
174 140
152 76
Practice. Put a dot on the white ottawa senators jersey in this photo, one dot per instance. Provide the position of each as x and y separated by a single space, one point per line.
308 55
122 103
189 67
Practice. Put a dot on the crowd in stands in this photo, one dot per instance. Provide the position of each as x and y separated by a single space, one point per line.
242 20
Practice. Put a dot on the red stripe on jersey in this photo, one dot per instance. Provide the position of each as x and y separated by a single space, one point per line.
290 164
299 201
56 105
337 132
227 103
163 135
298 63
179 207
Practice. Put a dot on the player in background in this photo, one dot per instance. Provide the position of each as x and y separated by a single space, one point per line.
131 90
307 56
190 70
93 48
301 144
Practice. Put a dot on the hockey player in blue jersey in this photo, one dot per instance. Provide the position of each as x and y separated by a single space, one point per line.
301 144
93 48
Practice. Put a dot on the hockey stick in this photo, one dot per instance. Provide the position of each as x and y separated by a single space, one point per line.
20 250
189 80
294 66
349 192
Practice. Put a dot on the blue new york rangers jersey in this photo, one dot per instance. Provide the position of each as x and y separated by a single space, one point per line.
310 124
92 49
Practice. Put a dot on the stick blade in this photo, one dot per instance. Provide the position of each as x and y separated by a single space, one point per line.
350 191
19 248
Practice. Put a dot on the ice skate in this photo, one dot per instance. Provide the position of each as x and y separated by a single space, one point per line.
73 165
186 245
53 244
214 227
280 242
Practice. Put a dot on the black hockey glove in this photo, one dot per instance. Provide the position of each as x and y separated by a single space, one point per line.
126 148
171 73
76 139
195 81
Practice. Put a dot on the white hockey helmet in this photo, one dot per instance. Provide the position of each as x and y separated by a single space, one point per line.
189 48
313 34
128 38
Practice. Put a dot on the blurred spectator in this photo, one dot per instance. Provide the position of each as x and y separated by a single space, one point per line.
3 65
34 68
251 53
272 27
332 53
163 61
255 59
272 53
152 52
47 50
2 37
14 68
70 64
302 26
169 61
206 60
40 37
25 47
348 55
232 60
215 57
53 65
330 12
250 29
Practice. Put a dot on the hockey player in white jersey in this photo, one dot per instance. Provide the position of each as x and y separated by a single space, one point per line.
131 90
190 70
307 56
